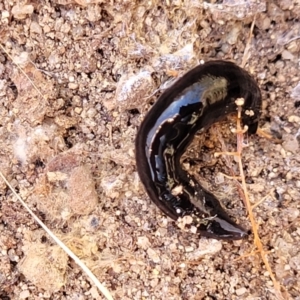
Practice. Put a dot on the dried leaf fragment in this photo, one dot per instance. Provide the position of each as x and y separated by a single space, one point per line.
45 266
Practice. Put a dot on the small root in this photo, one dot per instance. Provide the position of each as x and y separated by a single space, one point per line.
257 241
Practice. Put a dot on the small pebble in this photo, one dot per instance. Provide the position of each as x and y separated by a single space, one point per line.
241 291
73 86
294 119
24 294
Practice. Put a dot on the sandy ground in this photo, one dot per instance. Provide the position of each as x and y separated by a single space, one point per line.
88 72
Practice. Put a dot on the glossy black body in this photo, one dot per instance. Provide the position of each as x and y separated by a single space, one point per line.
203 96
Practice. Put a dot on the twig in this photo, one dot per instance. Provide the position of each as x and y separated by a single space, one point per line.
257 241
77 260
246 51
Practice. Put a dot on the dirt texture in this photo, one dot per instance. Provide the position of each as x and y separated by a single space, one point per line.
76 79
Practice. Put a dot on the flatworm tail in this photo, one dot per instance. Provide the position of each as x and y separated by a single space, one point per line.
203 96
